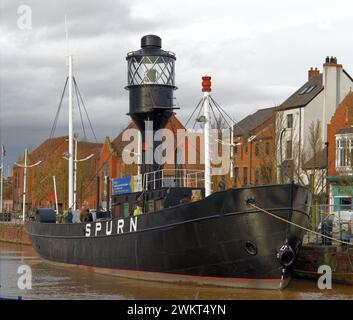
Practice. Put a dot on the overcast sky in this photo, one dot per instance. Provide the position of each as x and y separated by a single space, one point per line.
257 52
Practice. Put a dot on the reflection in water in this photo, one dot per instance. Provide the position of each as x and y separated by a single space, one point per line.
52 281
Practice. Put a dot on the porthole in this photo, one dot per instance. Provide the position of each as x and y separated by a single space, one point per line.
250 248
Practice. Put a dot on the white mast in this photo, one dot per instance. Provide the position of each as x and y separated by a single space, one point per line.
56 196
24 187
75 174
70 153
1 176
75 161
206 88
75 170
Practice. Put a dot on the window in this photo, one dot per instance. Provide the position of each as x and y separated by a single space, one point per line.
344 152
246 148
245 176
342 203
289 150
257 177
289 121
303 90
307 90
267 148
105 169
257 149
310 89
346 203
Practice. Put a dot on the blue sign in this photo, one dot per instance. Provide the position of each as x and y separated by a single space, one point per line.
122 185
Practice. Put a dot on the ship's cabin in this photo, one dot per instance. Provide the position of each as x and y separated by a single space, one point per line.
157 190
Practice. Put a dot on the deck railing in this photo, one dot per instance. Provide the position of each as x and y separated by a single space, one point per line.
173 178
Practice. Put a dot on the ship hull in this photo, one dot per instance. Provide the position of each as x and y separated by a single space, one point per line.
220 240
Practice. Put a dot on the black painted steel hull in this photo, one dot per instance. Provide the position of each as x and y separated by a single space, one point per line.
204 242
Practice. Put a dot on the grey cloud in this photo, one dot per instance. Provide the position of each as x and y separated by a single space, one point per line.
255 62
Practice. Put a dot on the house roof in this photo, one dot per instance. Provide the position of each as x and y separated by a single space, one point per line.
51 145
318 162
243 127
118 144
307 92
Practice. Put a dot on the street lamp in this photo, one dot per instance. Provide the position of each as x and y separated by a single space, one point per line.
25 166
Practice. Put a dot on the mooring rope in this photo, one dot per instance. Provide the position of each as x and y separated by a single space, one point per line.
299 226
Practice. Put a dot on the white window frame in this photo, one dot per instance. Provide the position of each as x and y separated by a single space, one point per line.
344 150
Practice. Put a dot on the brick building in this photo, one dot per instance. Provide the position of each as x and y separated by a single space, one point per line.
40 188
340 153
253 153
111 162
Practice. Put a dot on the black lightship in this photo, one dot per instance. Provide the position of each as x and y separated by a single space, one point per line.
219 239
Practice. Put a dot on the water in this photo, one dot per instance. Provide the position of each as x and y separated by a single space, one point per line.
51 281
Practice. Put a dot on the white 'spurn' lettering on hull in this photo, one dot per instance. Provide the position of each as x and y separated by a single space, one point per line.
111 227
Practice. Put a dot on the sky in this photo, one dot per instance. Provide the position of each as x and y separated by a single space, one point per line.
257 52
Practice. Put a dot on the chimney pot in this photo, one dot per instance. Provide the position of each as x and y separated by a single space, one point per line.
313 72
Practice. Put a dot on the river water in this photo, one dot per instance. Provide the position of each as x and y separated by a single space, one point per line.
52 281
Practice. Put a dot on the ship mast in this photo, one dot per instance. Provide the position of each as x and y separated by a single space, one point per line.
206 89
70 153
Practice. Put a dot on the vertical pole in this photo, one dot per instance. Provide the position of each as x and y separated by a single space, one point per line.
231 151
24 187
75 177
139 154
98 191
105 196
71 163
56 196
250 166
339 221
207 143
1 176
108 193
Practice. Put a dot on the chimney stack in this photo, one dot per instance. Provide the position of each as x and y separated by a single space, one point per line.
313 73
